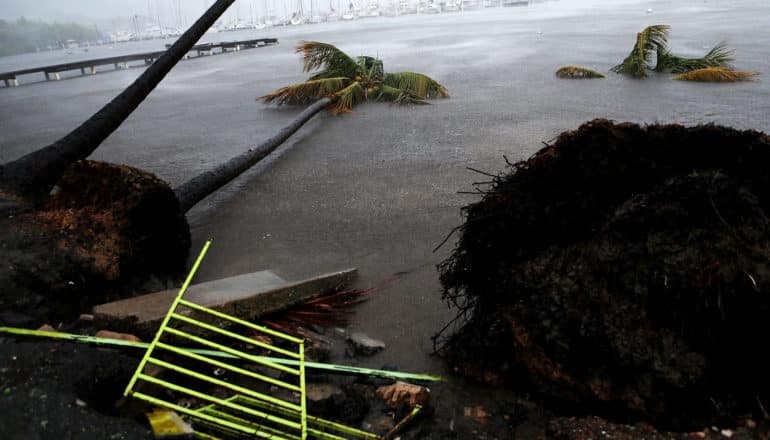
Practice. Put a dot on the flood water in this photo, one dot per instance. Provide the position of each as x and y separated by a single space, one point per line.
378 189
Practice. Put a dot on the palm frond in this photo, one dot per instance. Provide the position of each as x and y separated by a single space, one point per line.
330 73
391 94
418 84
306 92
717 74
649 41
325 56
577 72
372 66
718 56
347 98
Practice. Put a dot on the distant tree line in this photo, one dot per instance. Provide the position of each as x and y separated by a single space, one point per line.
29 35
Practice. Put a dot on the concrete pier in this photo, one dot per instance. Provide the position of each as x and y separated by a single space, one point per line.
53 72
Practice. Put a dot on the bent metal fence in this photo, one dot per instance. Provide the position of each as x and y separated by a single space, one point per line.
232 398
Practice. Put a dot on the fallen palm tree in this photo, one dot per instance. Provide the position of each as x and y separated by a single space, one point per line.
346 81
577 72
106 229
624 271
652 46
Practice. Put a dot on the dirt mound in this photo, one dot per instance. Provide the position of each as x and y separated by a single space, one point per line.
105 229
625 271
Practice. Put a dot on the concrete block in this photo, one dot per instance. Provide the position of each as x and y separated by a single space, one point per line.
246 296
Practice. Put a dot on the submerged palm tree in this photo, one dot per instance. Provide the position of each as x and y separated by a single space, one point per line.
347 81
653 42
648 43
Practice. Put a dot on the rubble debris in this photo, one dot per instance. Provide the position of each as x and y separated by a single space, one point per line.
322 398
359 344
107 334
401 393
400 426
166 424
477 414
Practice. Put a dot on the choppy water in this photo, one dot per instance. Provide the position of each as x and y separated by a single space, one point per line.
378 189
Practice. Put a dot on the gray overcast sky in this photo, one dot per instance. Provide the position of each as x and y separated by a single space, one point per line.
97 10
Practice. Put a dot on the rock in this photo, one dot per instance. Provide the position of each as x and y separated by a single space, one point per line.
318 348
345 404
476 413
401 393
359 344
321 398
46 328
115 335
382 424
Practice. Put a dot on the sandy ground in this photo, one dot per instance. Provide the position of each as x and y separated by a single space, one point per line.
378 189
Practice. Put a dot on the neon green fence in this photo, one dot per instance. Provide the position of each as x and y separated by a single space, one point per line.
224 400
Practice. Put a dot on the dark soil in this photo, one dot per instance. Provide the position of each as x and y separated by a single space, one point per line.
623 271
104 231
51 390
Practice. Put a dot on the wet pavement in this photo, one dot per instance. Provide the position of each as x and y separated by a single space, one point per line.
378 189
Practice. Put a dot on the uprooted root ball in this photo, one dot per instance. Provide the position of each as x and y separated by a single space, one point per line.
105 227
623 270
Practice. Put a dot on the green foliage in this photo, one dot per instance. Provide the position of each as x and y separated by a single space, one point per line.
28 36
327 58
648 42
653 40
577 72
395 95
307 92
416 83
350 81
348 98
718 56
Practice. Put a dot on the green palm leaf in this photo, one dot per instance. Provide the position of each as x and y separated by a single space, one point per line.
327 57
398 96
347 98
718 56
652 40
372 66
307 92
418 84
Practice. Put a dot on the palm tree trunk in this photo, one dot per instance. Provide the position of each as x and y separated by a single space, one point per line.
34 175
200 186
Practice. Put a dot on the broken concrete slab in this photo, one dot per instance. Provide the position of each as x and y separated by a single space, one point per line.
246 296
